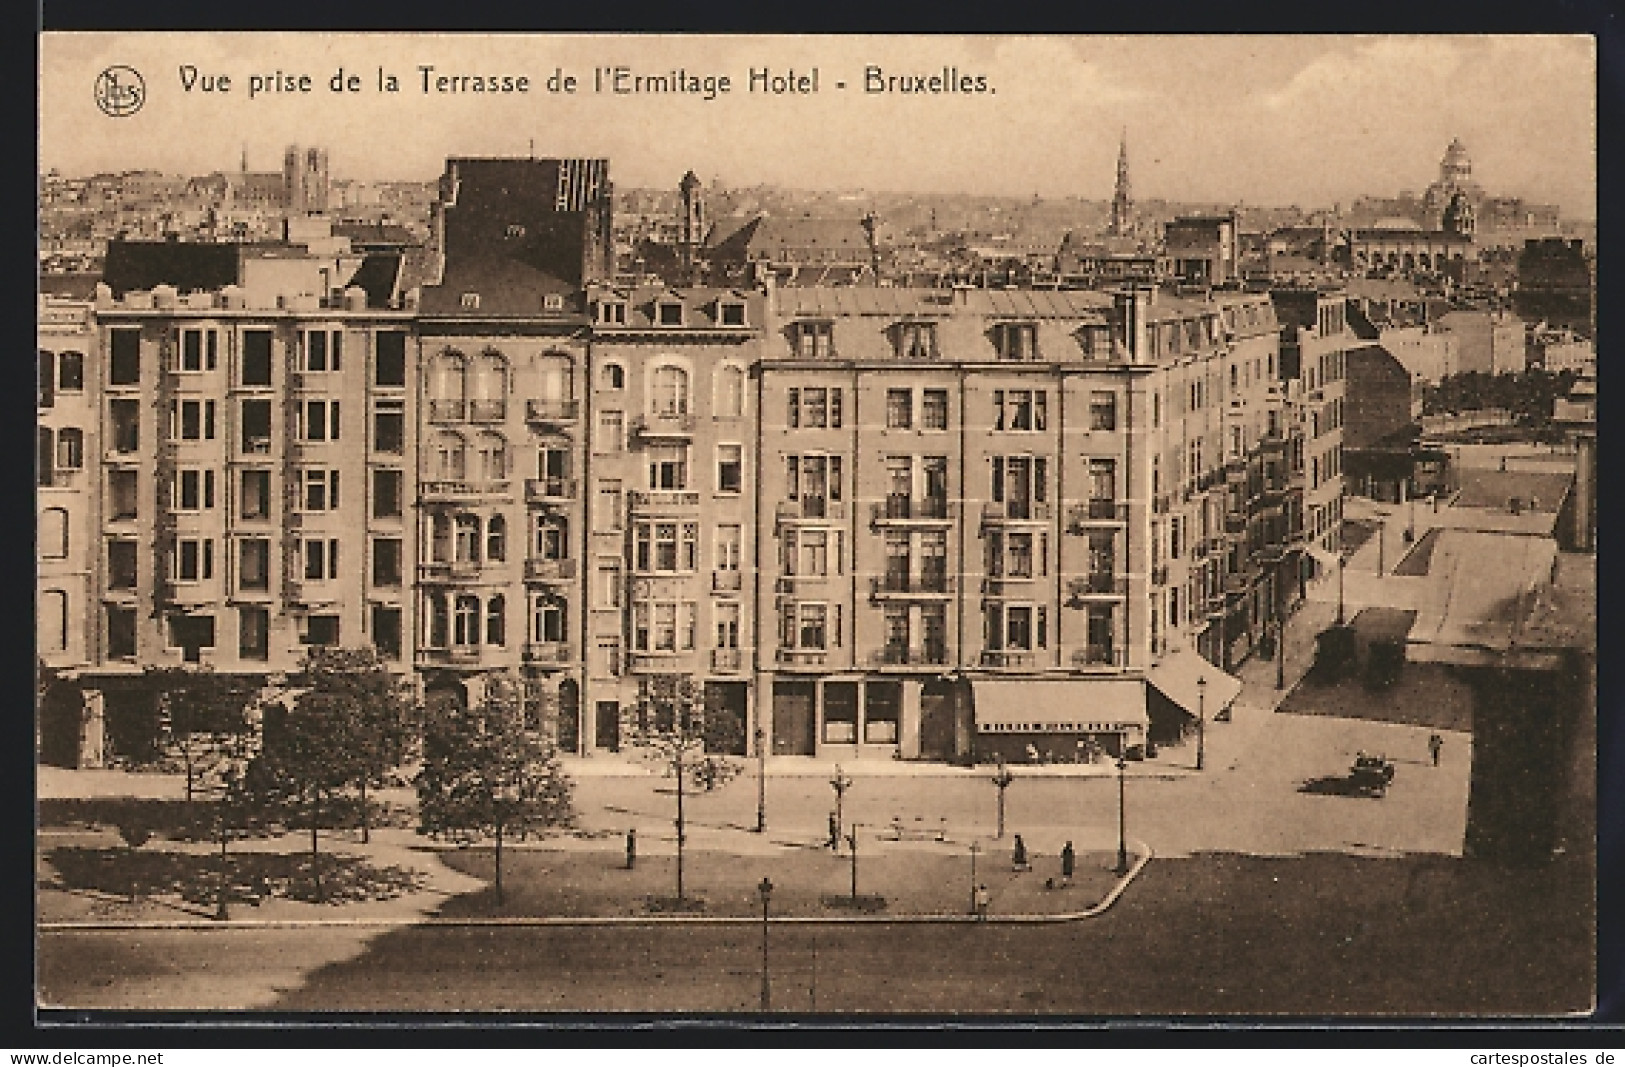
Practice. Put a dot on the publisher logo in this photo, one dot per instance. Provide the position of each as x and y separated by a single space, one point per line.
120 91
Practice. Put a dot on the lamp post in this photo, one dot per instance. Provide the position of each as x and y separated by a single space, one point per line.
1340 565
974 848
1122 839
1002 780
840 783
766 889
852 841
761 780
1382 529
1201 718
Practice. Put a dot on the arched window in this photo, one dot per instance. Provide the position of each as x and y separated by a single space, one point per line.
496 539
465 621
488 388
613 376
493 456
448 381
53 533
449 462
495 621
468 539
439 621
70 448
552 536
53 620
553 378
731 391
670 393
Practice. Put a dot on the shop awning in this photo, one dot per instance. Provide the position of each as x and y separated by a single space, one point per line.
1063 705
1175 675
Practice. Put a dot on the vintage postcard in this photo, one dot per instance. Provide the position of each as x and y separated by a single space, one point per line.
981 526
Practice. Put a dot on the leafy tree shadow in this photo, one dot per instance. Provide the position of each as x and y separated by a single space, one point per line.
254 876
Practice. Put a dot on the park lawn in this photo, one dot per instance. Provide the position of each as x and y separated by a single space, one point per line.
806 881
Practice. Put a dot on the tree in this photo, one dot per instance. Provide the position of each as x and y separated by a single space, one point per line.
484 773
205 715
672 725
351 722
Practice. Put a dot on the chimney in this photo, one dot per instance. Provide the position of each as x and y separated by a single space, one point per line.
1133 308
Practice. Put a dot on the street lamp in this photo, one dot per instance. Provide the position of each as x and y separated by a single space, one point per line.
1201 718
761 780
766 889
1122 840
840 783
852 840
1340 566
974 848
1382 529
1002 780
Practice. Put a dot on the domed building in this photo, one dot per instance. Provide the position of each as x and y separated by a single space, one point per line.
1455 178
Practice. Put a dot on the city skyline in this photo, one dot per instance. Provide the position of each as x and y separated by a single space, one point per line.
1050 126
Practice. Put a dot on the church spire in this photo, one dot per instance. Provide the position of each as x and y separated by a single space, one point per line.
1122 199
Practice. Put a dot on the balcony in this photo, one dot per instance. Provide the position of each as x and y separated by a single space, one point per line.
552 412
1096 513
660 663
447 410
306 593
1007 584
549 490
189 594
454 656
1104 584
801 657
930 656
1008 660
1015 511
802 584
1099 657
899 509
458 491
487 410
726 581
655 427
809 507
883 585
663 499
726 660
555 653
550 570
448 571
1159 574
256 446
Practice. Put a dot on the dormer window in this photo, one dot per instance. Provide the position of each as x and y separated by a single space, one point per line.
915 340
553 302
515 231
612 312
730 313
669 313
813 340
471 301
1016 340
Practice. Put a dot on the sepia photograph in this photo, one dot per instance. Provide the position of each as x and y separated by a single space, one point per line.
685 526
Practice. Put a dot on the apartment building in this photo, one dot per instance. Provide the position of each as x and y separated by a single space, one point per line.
1315 339
66 499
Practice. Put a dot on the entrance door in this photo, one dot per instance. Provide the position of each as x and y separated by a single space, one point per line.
795 724
725 717
569 724
608 732
937 720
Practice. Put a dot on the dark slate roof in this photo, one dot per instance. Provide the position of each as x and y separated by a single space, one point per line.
378 275
781 238
76 286
373 233
190 267
1493 489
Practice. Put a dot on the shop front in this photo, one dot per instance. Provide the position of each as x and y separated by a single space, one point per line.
1078 720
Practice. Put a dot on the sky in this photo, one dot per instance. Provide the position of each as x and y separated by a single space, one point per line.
1261 120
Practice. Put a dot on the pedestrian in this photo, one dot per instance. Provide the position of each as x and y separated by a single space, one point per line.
1069 860
1435 743
983 901
834 833
1019 860
631 848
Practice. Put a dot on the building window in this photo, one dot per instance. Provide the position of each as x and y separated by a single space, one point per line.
319 350
669 313
256 495
121 564
813 340
730 313
496 539
120 633
191 420
728 546
124 364
253 633
321 420
386 562
321 630
122 495
1102 411
609 581
815 481
613 376
53 533
492 452
191 489
726 615
471 301
386 631
551 536
730 468
609 504
899 409
321 558
669 392
45 473
496 621
465 620
611 432
389 431
488 387
70 369
256 364
190 632
46 379
811 626
199 350
192 559
668 469
915 340
256 427
386 493
126 419
389 359
466 539
254 563
663 625
1015 627
730 392
612 313
665 547
450 452
549 620
814 408
934 409
319 490
1016 340
1020 409
1019 482
70 448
